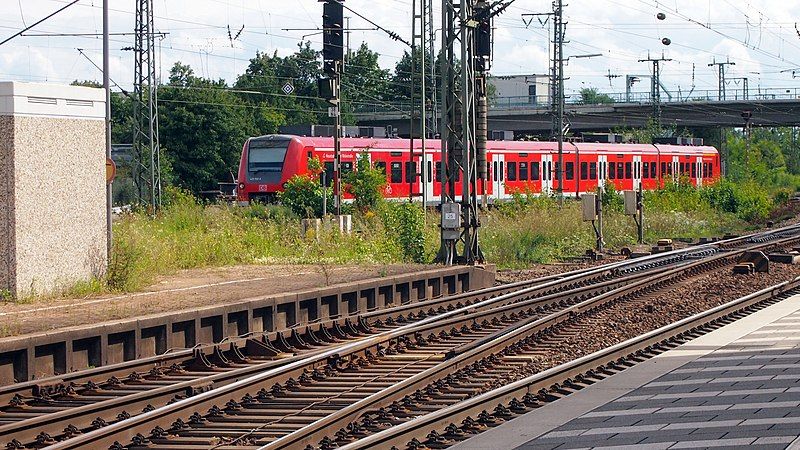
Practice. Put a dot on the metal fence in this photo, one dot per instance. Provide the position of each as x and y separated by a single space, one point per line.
529 102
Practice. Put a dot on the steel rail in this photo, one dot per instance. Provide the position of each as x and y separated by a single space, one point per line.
111 409
294 367
476 350
637 348
102 436
556 280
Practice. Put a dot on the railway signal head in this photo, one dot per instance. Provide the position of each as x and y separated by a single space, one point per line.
661 16
332 35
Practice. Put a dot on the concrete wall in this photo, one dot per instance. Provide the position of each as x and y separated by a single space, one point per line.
52 211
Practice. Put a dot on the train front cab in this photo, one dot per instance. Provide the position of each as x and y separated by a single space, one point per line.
267 162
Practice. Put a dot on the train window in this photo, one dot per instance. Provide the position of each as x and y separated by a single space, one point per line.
669 169
411 171
328 173
523 171
347 167
381 165
495 177
627 170
558 171
612 172
710 170
502 171
584 171
430 170
570 169
397 172
620 174
592 171
681 169
511 168
653 170
705 170
694 170
663 169
438 171
646 171
534 171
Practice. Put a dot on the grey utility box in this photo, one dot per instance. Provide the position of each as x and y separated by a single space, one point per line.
451 221
589 207
631 203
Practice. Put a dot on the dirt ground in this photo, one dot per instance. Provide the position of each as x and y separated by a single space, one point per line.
187 289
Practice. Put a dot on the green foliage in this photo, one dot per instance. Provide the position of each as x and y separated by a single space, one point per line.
748 200
591 96
404 223
611 199
303 195
365 184
203 126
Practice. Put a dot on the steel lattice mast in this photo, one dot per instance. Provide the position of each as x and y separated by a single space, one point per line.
459 148
147 171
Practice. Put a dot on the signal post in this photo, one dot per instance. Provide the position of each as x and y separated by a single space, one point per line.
330 86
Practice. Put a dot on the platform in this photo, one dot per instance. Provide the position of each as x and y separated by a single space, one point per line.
734 387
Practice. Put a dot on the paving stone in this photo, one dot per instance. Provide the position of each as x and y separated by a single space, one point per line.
736 433
620 412
715 443
696 424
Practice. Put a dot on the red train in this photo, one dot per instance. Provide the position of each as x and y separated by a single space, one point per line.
268 162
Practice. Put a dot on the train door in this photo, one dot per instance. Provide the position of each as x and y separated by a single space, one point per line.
675 172
498 177
602 171
429 178
699 168
637 171
547 174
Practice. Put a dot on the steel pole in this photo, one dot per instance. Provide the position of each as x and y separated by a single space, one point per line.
107 88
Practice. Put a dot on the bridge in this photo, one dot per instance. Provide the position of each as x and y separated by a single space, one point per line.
522 115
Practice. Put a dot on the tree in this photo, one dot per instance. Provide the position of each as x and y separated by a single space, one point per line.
203 126
363 81
591 96
266 75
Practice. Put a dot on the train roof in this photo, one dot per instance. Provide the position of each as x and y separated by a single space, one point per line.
402 144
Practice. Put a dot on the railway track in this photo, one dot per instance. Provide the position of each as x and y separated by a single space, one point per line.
321 400
46 411
449 424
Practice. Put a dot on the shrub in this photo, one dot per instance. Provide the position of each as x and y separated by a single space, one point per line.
748 200
303 195
405 222
365 184
611 198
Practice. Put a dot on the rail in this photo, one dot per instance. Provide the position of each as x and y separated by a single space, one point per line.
630 350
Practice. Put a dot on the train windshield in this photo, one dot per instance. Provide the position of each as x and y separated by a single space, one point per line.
265 159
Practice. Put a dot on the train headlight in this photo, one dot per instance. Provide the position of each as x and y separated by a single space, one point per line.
241 186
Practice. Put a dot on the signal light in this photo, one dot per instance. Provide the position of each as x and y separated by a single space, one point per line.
666 41
661 16
327 89
332 34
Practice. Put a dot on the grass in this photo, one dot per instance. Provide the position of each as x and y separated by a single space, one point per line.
524 231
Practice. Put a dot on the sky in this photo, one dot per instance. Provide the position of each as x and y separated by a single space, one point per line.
759 36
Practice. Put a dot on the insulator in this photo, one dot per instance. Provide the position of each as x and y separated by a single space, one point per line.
481 135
